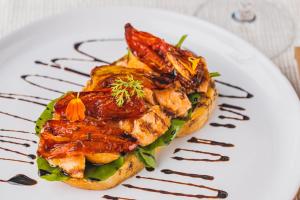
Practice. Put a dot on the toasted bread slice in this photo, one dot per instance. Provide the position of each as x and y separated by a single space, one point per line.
133 165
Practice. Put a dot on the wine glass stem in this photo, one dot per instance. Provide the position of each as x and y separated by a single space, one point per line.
245 12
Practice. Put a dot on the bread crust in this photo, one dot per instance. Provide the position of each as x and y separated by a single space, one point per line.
132 165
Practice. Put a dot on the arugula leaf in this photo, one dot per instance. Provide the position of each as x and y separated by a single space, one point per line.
45 116
147 157
48 172
214 74
168 136
146 154
103 172
178 45
194 98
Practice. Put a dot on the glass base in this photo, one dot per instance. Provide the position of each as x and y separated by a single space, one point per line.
272 30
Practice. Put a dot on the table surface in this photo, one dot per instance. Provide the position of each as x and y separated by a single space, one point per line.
14 14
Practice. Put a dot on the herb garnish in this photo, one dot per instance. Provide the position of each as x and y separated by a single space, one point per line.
178 45
214 74
123 90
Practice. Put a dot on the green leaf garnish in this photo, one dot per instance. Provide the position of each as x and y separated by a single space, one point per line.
214 74
194 99
45 116
48 172
103 172
147 157
168 136
146 154
123 90
178 45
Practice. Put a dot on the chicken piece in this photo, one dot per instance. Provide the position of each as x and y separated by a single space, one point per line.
149 127
173 101
61 138
148 96
72 165
126 125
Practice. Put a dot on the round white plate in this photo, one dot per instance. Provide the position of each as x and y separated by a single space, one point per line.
264 162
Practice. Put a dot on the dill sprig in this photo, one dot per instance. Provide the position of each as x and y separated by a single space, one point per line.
123 90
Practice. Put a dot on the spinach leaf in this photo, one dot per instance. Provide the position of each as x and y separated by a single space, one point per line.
48 172
146 154
147 157
194 99
45 116
168 136
103 172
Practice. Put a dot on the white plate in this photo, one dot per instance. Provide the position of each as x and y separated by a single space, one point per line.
264 162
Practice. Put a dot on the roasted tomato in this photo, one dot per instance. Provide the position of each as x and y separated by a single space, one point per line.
101 105
168 59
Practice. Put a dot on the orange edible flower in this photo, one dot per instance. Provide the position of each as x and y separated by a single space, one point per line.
75 110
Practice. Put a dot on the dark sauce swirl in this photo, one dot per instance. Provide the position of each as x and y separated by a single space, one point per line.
20 179
220 158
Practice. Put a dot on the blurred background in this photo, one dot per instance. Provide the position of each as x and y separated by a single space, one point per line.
270 25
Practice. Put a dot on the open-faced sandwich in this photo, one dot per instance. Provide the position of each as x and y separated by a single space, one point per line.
109 131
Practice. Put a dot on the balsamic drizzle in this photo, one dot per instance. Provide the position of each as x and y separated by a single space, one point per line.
20 98
180 183
16 160
247 96
169 171
31 156
78 45
221 194
229 108
232 108
20 179
17 138
26 76
15 143
59 67
115 198
220 158
222 125
209 142
16 116
244 117
90 58
15 131
226 105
